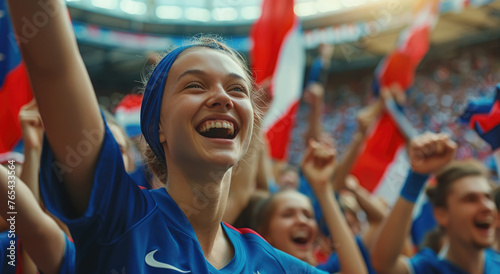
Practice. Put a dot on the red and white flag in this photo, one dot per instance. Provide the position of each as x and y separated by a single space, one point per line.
383 166
15 90
383 159
128 114
278 54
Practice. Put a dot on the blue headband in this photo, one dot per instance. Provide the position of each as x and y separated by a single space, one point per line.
151 103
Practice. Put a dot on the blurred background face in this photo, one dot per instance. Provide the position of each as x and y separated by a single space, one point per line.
292 227
471 215
121 140
353 222
288 179
350 207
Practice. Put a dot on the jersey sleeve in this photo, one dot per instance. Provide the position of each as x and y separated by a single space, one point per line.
116 203
425 261
332 265
492 262
68 261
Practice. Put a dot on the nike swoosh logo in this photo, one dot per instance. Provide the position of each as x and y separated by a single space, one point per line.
150 260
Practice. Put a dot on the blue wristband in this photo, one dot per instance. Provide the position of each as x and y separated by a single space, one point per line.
413 185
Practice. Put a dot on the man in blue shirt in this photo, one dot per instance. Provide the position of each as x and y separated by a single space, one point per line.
463 208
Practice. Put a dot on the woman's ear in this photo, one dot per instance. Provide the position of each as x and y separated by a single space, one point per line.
161 134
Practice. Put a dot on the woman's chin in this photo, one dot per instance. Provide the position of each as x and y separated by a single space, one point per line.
222 161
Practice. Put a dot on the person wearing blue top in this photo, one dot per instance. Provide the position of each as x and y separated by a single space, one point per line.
48 247
333 265
463 208
150 233
35 240
197 116
342 180
427 261
6 246
286 218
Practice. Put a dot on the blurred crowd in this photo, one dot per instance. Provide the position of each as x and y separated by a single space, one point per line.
442 89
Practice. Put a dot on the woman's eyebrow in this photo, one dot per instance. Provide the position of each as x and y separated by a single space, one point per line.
202 73
235 75
192 72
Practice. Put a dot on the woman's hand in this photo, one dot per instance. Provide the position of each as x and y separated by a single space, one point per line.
430 152
318 164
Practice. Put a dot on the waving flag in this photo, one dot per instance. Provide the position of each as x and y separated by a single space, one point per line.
423 220
128 114
484 118
15 89
278 54
476 106
399 68
383 165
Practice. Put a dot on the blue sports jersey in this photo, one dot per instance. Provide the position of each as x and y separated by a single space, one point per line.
333 264
427 261
141 176
67 264
5 247
126 229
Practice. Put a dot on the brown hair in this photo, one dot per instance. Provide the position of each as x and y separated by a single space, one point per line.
265 209
248 216
496 196
449 175
263 214
434 239
159 166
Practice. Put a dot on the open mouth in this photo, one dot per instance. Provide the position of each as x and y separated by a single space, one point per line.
301 237
221 129
484 224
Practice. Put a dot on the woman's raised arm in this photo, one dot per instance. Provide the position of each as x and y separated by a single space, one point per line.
62 87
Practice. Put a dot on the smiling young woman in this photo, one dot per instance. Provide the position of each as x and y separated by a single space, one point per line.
286 218
197 116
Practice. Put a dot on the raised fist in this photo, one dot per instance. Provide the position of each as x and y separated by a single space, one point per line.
319 163
430 152
313 94
367 116
351 183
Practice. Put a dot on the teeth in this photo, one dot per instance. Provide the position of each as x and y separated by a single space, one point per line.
207 125
300 234
487 221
